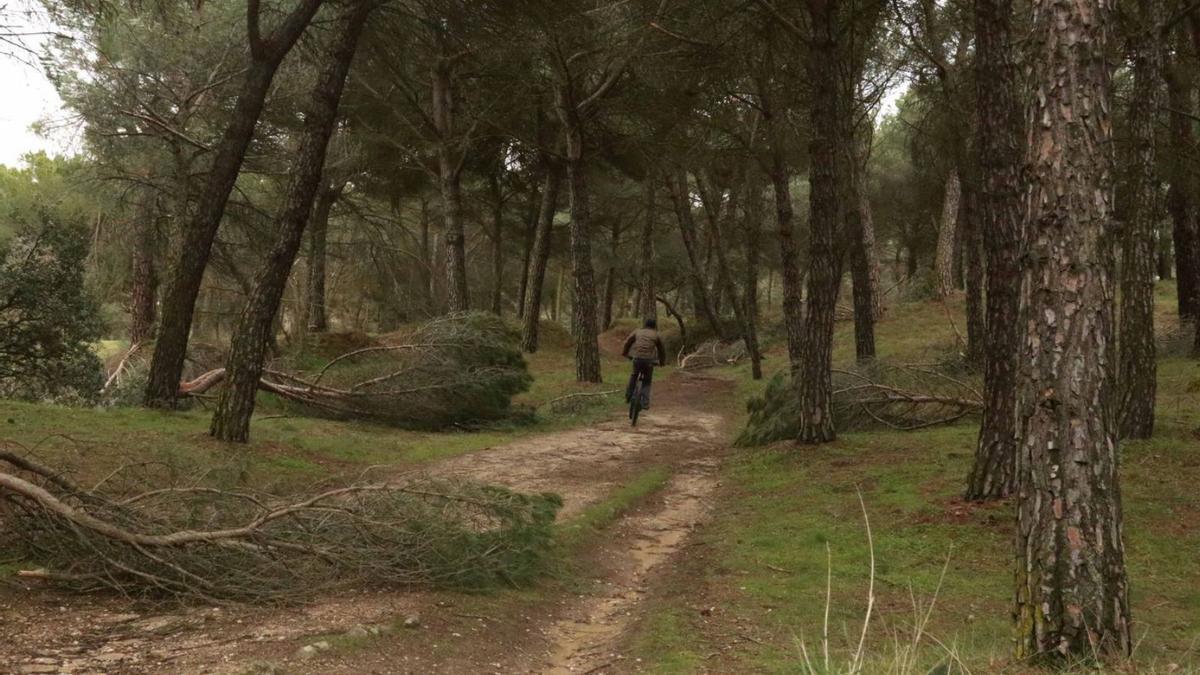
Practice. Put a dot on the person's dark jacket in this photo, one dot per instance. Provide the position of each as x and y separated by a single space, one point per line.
644 343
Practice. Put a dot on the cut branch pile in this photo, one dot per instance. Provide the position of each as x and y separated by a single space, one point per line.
714 353
455 370
904 398
899 397
191 541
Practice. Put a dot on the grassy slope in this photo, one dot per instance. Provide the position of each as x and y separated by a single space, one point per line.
765 567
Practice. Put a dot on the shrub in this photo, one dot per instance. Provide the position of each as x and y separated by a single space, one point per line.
47 319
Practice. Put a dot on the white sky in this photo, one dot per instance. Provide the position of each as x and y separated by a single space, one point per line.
35 98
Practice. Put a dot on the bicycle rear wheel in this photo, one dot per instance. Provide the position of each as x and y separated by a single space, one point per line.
635 403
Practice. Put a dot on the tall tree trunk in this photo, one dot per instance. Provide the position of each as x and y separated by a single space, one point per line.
231 420
1138 365
864 265
973 274
1181 195
143 301
947 235
1162 260
318 234
540 258
1072 592
866 219
826 109
179 301
450 180
647 306
1000 131
792 282
681 196
497 244
610 279
754 216
583 289
427 261
531 220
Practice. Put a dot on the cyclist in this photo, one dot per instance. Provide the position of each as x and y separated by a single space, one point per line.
644 347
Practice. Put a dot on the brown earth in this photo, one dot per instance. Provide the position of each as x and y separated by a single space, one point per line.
573 625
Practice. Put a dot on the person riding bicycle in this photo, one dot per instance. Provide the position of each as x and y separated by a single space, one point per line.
645 348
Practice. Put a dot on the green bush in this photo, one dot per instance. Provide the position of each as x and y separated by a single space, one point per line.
772 415
48 321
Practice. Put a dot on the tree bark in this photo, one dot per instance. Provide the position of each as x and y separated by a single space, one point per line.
999 132
231 420
540 258
648 307
318 233
450 180
947 235
864 265
826 166
1072 591
1181 195
583 290
1137 370
179 301
143 301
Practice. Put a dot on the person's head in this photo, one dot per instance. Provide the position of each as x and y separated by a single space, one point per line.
650 323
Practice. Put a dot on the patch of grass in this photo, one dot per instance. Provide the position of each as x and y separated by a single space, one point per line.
600 515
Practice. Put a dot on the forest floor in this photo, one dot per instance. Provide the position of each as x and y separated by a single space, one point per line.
678 555
646 488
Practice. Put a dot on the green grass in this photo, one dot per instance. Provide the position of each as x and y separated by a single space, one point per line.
604 513
766 561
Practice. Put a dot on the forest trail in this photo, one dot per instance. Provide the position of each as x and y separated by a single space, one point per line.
579 630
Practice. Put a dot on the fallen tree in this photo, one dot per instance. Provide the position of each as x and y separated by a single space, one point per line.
191 541
879 396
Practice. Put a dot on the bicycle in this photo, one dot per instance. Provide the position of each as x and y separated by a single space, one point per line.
635 401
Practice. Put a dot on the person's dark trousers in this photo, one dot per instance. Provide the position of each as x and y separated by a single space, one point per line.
645 366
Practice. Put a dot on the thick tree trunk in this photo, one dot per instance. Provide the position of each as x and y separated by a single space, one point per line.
866 220
827 165
1137 371
1181 195
1000 208
583 290
143 300
754 216
947 235
179 301
231 420
450 178
680 195
318 322
1072 592
647 307
540 258
973 275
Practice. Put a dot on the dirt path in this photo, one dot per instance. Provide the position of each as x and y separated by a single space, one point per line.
579 632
